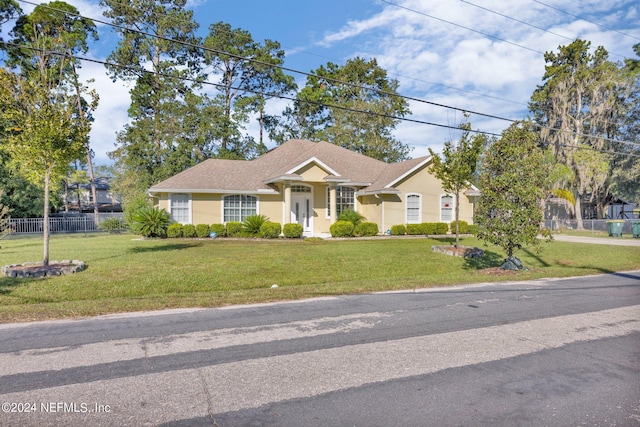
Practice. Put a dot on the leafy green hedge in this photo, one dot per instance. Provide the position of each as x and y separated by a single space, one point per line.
218 229
366 229
342 229
398 230
202 230
292 231
441 228
270 230
189 230
427 228
415 229
174 230
463 227
234 229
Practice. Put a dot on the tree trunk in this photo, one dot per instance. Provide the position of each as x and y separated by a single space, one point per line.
457 215
45 224
578 212
92 180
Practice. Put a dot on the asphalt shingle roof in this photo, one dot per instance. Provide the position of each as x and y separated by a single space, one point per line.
251 175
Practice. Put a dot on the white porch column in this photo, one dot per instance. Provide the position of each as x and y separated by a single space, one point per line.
287 202
332 203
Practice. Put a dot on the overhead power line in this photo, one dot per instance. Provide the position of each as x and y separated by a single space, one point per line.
527 24
267 64
586 20
217 85
381 92
461 26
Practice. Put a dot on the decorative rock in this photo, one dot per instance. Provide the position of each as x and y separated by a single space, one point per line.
38 269
460 251
512 263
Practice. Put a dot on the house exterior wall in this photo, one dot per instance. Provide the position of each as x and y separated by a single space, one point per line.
206 208
430 190
385 210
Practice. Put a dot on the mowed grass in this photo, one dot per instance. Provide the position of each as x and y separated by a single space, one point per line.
127 274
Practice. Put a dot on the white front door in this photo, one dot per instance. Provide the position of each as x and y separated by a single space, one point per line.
302 211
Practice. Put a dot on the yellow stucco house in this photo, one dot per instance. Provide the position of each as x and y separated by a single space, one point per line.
310 183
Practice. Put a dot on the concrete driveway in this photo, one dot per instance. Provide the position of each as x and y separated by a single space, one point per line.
617 241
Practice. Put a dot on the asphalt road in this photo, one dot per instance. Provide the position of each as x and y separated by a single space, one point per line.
548 352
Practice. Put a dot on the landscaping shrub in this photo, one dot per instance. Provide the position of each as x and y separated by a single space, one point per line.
252 224
414 229
398 230
428 228
366 229
441 228
189 230
174 230
217 228
151 222
352 216
234 229
342 229
473 229
270 230
132 205
463 227
202 230
113 225
292 231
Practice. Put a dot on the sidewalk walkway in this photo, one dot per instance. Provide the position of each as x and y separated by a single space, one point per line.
616 241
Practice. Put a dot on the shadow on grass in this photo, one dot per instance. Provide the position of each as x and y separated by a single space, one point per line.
536 257
163 248
490 259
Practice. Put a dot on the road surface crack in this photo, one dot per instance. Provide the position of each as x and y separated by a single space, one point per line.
209 400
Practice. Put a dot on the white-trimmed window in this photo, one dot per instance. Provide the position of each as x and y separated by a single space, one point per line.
180 208
414 209
446 208
237 207
345 199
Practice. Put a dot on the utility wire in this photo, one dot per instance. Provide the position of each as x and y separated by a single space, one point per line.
484 95
526 23
461 26
267 64
381 92
586 20
217 85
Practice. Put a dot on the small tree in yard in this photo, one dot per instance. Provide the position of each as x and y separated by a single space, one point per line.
4 219
458 166
514 177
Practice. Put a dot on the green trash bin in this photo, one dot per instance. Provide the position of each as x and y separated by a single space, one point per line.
615 228
635 228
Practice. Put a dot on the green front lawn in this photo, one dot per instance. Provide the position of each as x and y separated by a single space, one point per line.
125 274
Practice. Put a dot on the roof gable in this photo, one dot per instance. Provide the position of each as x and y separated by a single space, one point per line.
286 162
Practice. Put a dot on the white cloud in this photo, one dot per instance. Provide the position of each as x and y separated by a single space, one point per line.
111 114
429 51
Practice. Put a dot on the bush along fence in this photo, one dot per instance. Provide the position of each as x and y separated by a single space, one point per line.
111 222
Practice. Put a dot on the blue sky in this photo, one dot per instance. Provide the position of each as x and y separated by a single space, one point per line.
477 55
